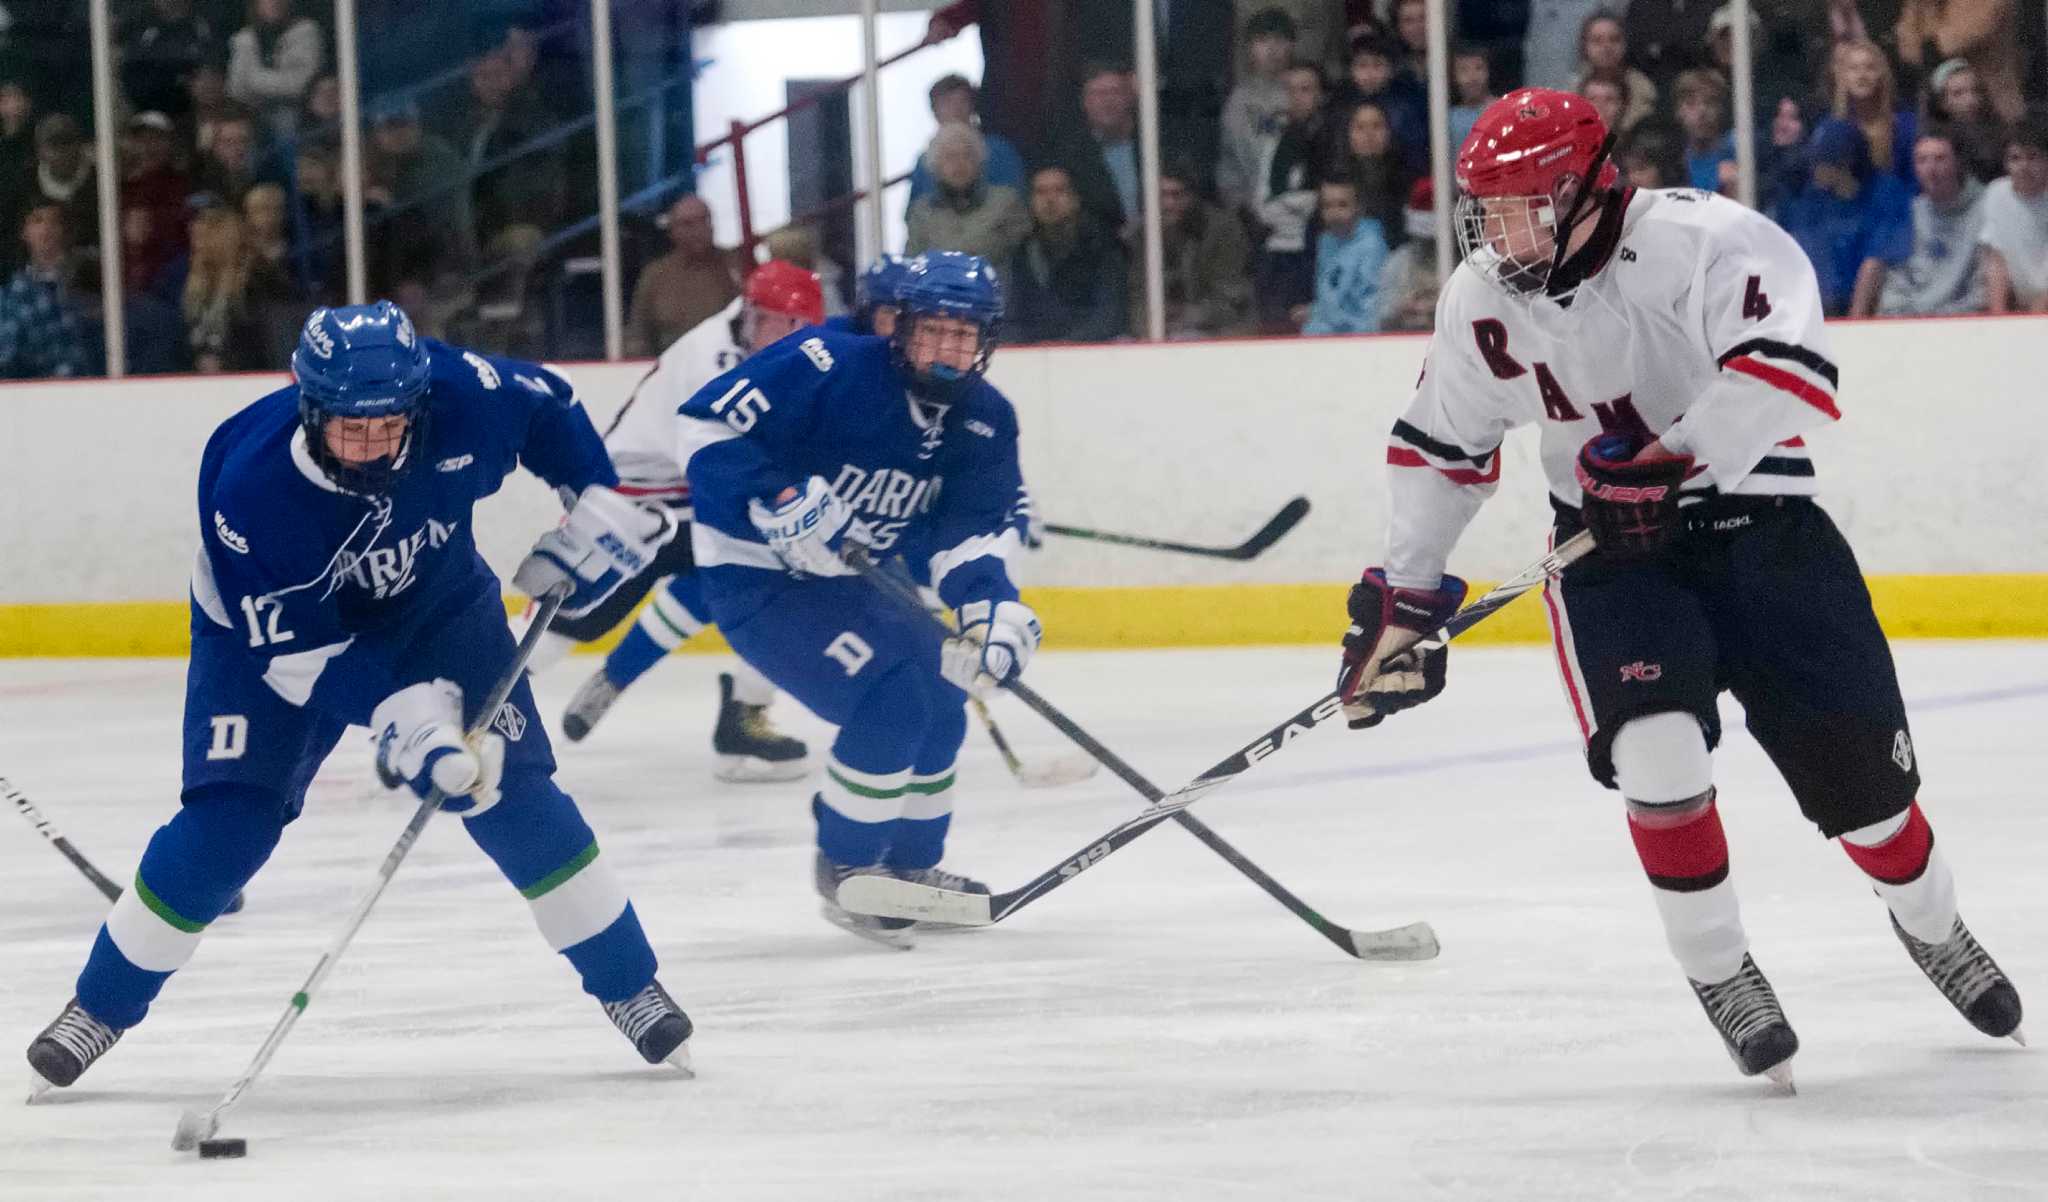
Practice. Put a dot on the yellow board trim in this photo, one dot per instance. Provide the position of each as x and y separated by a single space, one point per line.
1986 606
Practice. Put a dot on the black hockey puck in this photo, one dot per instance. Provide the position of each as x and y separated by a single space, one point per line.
223 1149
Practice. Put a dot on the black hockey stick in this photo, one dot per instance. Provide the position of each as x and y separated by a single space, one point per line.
195 1126
49 831
889 897
1288 518
1413 942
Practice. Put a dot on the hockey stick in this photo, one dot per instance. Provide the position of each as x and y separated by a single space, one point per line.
49 831
197 1125
1066 770
1290 515
1413 942
892 898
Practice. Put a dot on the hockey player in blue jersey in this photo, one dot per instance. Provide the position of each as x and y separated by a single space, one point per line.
834 441
876 295
338 583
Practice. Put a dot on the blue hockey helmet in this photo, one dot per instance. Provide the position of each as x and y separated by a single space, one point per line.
880 285
949 284
361 361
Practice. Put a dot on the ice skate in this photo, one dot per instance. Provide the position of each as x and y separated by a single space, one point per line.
66 1048
748 746
890 932
1970 979
939 878
1745 1010
659 1029
588 706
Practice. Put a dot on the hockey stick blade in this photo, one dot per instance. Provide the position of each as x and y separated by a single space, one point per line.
893 898
1055 773
1416 941
1329 705
1273 531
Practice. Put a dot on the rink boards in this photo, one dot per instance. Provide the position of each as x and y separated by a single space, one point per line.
1933 474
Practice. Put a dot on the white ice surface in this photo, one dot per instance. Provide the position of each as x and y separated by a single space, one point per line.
1157 1029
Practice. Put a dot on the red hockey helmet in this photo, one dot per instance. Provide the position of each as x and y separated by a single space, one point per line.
1530 153
779 286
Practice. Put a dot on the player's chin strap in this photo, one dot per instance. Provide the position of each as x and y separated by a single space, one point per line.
1568 270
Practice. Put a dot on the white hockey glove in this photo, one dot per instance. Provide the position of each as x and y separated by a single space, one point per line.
811 532
604 540
420 744
994 644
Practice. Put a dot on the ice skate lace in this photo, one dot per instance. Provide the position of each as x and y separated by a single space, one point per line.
1958 967
1742 1005
754 725
637 1014
81 1034
939 878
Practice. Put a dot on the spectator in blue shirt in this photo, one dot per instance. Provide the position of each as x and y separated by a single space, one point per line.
1703 114
42 331
954 100
1349 255
1848 213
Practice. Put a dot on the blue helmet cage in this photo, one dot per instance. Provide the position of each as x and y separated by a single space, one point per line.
361 361
881 284
950 284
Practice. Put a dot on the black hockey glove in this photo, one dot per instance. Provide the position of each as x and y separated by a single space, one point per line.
1630 504
1384 671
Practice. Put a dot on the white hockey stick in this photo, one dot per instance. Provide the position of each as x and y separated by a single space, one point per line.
197 1125
1068 769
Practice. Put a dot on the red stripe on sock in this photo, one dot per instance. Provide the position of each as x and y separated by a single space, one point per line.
1900 859
1689 851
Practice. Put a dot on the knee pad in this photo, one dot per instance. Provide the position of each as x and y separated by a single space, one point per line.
945 731
218 839
1661 759
888 726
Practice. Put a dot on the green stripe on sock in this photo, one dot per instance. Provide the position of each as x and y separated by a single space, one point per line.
554 879
930 786
864 790
680 633
157 907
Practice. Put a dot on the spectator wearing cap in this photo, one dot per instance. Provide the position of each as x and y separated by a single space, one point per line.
1939 274
1283 273
1955 100
1350 253
1554 48
1603 59
42 330
1319 29
63 176
693 281
1376 75
428 231
1255 109
1471 90
1848 214
161 50
953 102
1866 94
1101 156
1983 33
1408 281
271 60
152 184
1703 114
2015 237
964 212
1067 281
1207 281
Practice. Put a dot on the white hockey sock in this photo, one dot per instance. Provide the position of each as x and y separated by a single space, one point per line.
667 622
1909 872
1704 929
749 687
928 795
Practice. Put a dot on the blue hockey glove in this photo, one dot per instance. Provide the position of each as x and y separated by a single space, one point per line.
420 744
995 642
604 540
810 532
1384 670
1030 524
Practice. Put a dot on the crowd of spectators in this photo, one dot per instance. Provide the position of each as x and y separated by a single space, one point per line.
1895 142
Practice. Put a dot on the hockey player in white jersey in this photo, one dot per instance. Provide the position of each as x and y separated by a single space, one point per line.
777 299
1669 345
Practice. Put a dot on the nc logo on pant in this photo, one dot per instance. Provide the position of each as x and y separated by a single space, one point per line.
1902 751
851 651
509 722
